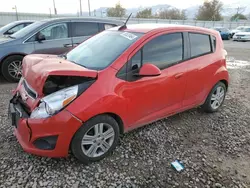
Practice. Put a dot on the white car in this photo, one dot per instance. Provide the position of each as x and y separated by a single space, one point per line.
237 30
243 35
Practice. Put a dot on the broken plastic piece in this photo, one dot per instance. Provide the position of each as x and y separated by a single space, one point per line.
177 165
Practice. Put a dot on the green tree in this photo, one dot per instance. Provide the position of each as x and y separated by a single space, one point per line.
146 13
238 17
173 14
117 11
210 11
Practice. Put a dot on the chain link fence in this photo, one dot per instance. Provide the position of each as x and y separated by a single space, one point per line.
7 17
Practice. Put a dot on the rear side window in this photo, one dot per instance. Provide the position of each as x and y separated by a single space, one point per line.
164 51
84 29
200 44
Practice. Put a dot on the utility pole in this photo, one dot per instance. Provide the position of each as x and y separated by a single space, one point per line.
89 8
15 8
80 7
54 7
50 12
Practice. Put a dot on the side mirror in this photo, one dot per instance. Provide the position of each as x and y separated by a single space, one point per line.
149 70
10 32
40 37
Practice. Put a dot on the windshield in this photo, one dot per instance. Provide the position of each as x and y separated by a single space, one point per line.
102 49
21 33
246 29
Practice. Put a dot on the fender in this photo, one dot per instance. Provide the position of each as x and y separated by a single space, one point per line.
105 106
221 74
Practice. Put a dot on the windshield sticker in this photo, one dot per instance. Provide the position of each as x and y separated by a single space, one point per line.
129 36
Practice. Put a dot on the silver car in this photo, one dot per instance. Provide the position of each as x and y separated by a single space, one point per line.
15 26
52 36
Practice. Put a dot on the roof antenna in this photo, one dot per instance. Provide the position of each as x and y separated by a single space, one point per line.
124 26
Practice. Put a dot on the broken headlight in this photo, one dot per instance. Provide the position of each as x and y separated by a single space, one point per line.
54 102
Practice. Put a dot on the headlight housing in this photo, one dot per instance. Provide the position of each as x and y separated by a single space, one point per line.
55 102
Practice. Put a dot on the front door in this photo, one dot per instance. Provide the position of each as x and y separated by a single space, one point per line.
57 40
152 98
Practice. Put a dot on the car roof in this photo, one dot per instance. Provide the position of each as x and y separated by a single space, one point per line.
145 28
24 21
87 19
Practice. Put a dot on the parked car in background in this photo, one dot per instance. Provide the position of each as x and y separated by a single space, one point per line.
244 35
13 27
116 81
224 32
236 30
52 36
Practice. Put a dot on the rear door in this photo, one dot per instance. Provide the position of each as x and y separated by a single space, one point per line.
200 67
57 40
80 31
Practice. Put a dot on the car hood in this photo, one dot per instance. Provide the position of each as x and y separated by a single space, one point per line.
37 68
243 33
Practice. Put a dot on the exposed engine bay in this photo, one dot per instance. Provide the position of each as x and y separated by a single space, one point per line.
56 82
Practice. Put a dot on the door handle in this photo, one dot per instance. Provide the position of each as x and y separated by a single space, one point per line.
68 45
179 75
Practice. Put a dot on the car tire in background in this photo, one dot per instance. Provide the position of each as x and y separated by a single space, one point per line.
11 68
95 139
215 98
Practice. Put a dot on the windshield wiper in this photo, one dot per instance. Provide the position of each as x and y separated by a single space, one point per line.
63 56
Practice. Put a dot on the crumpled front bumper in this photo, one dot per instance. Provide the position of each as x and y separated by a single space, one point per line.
50 137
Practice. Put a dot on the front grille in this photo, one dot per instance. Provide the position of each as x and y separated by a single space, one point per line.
29 90
240 35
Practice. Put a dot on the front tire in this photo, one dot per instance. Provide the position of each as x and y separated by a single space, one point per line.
215 98
95 139
11 68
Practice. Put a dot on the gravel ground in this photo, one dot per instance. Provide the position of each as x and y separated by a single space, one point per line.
215 148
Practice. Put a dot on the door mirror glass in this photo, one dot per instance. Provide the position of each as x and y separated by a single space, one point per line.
149 70
40 37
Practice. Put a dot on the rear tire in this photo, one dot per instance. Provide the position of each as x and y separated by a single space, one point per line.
11 68
91 135
215 98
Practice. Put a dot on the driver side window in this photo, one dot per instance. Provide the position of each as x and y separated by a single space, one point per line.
57 31
53 32
15 29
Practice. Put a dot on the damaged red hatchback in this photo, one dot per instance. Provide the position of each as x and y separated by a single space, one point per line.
117 80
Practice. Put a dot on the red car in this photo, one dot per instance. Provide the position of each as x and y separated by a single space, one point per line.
116 81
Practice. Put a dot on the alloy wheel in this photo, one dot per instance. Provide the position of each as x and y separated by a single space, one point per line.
15 69
98 140
217 97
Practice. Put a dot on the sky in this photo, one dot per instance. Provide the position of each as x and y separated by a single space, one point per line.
72 6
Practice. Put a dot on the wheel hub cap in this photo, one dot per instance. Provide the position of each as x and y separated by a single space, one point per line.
98 140
15 69
217 97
